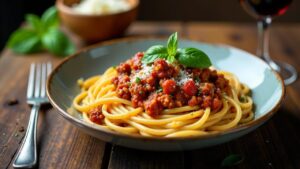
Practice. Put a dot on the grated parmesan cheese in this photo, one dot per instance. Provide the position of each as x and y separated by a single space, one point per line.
100 7
143 73
183 77
146 71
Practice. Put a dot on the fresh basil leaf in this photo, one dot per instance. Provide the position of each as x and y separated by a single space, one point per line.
34 22
172 44
50 18
171 58
155 52
232 159
192 57
57 43
138 80
24 41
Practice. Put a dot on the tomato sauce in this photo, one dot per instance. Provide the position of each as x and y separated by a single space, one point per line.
162 85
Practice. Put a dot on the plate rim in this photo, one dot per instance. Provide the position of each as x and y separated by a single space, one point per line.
239 128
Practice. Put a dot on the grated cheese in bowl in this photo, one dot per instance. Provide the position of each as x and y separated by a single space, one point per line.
101 7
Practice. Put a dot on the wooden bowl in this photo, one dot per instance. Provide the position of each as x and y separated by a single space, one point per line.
92 28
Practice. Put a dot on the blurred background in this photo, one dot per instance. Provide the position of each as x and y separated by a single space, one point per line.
12 12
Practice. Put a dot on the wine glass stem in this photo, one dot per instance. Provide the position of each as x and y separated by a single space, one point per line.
263 26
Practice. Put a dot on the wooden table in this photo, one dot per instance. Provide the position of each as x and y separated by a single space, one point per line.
60 145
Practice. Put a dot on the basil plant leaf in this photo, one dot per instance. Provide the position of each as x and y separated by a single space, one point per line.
155 52
192 57
231 160
50 18
58 43
172 44
24 41
34 22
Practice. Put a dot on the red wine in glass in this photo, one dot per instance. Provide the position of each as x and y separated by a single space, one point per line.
264 11
261 8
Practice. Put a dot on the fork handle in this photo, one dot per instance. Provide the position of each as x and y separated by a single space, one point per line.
27 154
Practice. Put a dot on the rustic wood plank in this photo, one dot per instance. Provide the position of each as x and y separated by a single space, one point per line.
13 73
260 149
66 146
154 29
286 121
123 158
234 34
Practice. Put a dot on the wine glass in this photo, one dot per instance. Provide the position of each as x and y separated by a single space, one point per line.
264 11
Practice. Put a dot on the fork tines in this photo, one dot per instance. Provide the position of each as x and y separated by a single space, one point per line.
37 80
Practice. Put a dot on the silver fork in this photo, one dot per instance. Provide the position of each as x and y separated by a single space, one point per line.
36 96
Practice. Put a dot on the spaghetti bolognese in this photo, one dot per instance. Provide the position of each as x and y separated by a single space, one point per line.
155 96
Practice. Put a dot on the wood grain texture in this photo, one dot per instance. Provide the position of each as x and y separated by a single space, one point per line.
123 158
60 145
274 145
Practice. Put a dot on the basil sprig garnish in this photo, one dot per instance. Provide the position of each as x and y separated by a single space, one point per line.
190 57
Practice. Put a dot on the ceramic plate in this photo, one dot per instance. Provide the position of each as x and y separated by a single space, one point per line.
267 89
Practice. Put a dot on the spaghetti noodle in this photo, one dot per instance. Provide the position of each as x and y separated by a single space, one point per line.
181 102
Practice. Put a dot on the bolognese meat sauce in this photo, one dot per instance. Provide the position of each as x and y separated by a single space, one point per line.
164 85
96 115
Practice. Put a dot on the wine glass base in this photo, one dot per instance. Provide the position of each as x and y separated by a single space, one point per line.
286 71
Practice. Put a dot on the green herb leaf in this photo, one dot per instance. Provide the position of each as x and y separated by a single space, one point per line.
192 57
232 159
171 58
34 22
50 18
197 79
57 43
138 80
159 90
24 41
154 53
172 45
42 32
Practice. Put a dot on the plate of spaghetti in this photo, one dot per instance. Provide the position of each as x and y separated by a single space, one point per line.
158 94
